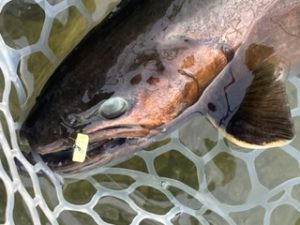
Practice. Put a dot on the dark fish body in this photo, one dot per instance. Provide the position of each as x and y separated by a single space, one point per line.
167 61
82 80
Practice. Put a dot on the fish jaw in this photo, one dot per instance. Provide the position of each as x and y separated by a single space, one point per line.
113 145
159 101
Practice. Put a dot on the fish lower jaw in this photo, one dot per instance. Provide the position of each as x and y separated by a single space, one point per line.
98 153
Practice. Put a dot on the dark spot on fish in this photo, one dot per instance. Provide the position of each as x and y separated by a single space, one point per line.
212 107
153 80
136 79
160 66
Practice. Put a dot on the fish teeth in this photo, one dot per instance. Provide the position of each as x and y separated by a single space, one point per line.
60 164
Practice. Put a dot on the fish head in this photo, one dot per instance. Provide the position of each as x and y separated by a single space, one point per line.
158 93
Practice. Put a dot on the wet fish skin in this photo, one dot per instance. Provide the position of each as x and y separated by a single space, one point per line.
167 73
173 75
84 71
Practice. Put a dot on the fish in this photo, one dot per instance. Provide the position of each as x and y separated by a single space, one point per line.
155 64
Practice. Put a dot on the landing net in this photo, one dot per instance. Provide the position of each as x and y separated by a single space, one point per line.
191 177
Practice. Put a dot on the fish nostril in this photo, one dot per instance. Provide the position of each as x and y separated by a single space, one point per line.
71 120
113 107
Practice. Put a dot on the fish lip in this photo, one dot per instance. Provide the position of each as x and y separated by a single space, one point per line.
106 145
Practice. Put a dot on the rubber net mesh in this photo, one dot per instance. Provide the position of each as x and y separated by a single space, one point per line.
193 176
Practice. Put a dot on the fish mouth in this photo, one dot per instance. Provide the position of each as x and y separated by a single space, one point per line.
105 146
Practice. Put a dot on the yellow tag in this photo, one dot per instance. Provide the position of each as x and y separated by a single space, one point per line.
80 147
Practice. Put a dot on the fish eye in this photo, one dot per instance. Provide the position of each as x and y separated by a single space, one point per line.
113 107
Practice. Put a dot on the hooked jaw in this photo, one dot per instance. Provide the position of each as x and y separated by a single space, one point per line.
104 146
